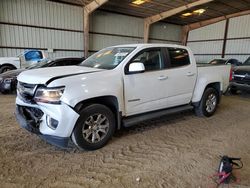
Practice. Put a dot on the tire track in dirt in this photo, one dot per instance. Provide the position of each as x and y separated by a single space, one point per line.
180 150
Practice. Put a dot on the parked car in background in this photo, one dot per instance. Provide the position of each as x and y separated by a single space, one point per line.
222 61
241 77
117 86
8 79
24 59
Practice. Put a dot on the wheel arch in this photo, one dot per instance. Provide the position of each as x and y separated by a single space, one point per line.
110 101
214 85
217 87
8 64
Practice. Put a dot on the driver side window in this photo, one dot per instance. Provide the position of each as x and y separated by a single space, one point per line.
151 59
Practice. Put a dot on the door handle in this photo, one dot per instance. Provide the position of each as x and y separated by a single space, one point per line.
162 77
190 74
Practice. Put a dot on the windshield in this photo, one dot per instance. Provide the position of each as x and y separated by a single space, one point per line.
107 58
247 62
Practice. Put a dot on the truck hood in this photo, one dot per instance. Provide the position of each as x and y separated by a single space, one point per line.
47 75
7 59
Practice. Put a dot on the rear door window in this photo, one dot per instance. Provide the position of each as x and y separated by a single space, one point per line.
178 57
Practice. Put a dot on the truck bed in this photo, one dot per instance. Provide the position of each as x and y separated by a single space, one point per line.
216 72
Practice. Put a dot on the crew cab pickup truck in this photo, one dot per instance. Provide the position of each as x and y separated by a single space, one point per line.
24 59
117 86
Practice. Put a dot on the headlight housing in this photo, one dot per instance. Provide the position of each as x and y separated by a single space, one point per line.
49 95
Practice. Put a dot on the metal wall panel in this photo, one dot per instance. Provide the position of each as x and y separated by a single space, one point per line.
4 52
165 31
214 31
104 22
206 58
208 47
64 54
98 42
109 23
239 27
42 13
238 46
19 36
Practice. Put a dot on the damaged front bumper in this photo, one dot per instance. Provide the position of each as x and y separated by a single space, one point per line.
34 118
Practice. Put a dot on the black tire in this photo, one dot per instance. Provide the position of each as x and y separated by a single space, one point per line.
83 125
233 91
6 68
202 109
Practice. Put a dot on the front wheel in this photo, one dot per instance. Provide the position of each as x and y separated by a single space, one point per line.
208 103
94 128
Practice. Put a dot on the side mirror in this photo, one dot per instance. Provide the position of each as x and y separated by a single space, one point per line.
136 68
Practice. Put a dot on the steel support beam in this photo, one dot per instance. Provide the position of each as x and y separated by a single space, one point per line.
215 20
184 35
158 17
87 10
225 39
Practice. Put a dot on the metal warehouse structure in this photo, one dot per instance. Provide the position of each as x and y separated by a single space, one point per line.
68 27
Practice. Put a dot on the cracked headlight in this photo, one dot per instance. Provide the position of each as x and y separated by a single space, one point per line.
49 95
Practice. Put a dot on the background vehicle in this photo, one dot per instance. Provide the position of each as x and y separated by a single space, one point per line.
24 59
117 86
8 79
241 77
233 62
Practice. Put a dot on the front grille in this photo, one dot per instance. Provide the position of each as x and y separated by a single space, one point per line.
26 91
242 78
32 113
241 72
32 116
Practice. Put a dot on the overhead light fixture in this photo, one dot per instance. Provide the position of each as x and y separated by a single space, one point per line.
199 11
138 2
195 12
187 14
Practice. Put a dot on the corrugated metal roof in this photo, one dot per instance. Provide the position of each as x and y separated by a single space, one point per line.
214 9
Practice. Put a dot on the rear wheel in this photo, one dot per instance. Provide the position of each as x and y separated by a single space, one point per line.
208 103
6 68
94 128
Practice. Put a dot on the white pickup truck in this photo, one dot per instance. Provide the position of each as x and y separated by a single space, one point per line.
117 86
24 59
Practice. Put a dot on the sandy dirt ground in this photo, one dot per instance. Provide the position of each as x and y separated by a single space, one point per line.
180 150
